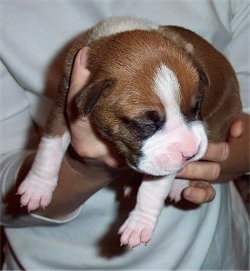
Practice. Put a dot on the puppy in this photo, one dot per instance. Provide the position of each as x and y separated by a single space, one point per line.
158 93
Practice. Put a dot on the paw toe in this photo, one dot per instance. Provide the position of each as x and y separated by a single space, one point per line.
22 188
134 236
146 236
45 200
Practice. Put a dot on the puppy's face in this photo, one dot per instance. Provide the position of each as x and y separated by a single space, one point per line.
145 95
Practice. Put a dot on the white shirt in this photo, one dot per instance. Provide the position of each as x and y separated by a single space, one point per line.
211 236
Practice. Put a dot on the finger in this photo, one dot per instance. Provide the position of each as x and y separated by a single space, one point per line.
217 152
199 192
237 128
80 74
200 170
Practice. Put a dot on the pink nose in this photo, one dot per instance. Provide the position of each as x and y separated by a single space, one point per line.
188 146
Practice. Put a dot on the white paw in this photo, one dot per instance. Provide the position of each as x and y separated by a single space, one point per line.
176 189
136 230
35 191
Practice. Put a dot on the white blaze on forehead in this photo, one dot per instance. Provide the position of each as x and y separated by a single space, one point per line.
167 87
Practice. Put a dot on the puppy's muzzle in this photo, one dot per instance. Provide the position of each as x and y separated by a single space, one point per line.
170 149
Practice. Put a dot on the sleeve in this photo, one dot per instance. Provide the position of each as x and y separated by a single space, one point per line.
238 49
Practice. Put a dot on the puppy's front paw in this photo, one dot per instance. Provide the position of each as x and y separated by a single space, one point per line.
136 231
36 191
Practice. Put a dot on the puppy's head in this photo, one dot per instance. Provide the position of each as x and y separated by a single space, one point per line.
145 95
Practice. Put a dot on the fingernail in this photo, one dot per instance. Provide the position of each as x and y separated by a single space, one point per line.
241 130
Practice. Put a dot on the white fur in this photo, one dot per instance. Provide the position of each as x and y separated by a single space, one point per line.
117 25
37 188
139 226
167 87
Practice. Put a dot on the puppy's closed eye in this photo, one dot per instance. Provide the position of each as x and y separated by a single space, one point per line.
146 125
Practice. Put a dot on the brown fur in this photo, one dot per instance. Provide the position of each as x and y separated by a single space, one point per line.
121 84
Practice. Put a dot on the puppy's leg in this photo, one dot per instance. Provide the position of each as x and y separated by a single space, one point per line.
37 188
139 226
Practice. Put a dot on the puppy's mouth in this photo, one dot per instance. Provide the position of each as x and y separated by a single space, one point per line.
155 173
154 170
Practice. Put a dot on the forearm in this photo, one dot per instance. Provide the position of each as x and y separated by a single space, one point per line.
76 183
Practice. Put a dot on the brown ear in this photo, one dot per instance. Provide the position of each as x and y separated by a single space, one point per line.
89 96
204 80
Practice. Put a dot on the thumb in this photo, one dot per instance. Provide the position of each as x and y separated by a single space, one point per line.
237 128
79 75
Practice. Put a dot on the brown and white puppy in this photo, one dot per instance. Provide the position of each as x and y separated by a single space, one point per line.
158 93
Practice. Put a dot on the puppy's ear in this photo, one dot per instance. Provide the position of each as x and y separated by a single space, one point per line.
203 77
204 80
89 96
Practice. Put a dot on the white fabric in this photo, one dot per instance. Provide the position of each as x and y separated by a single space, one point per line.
212 236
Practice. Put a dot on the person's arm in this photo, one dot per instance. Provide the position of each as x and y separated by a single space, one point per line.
76 183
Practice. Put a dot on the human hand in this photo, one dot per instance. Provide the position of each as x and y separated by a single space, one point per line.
201 173
84 139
